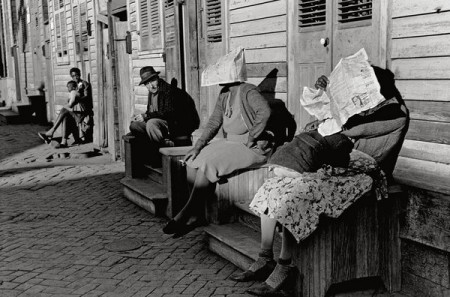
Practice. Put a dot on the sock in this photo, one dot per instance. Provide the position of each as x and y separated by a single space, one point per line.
266 255
279 274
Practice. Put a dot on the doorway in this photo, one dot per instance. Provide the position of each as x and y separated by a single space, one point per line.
321 32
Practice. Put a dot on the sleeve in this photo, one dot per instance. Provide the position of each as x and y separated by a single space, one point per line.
262 111
214 123
381 122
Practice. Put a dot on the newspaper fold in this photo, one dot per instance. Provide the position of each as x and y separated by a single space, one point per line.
353 88
228 69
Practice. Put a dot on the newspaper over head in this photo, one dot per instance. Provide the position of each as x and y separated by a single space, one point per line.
353 88
228 69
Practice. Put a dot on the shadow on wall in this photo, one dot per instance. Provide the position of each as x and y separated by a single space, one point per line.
281 121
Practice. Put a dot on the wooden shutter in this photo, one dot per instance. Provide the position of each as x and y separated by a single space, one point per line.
45 11
354 10
144 24
213 21
76 29
311 13
58 36
169 17
3 68
83 29
64 46
155 29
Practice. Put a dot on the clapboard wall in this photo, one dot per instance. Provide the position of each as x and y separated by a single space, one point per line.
140 58
420 59
259 26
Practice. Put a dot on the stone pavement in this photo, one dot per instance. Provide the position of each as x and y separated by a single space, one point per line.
58 218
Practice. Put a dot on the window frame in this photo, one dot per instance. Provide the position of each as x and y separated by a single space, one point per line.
60 16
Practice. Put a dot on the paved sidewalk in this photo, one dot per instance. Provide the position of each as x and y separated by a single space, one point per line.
59 215
56 223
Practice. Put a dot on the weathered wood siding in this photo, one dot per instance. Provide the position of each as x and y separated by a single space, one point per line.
259 26
141 58
420 59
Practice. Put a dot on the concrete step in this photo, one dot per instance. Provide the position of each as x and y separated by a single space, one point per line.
237 243
155 174
146 193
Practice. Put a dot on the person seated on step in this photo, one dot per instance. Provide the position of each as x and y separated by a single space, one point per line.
241 113
170 114
69 116
378 132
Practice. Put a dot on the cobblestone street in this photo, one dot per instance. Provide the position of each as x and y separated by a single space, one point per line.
57 217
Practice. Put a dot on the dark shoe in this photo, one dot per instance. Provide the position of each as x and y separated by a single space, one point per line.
47 139
185 229
172 227
267 291
60 146
258 275
284 288
77 142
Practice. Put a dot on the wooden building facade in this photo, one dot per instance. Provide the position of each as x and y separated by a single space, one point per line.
288 44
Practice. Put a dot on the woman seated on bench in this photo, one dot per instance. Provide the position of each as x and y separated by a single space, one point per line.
378 132
242 113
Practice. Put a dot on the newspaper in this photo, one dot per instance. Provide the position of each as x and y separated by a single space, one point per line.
228 69
353 88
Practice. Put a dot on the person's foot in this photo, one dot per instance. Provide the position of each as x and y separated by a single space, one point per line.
190 226
61 145
77 142
46 138
279 283
259 270
172 227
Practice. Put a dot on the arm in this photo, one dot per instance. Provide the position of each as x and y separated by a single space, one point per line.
73 99
262 113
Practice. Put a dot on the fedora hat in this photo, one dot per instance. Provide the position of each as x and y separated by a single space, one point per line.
147 73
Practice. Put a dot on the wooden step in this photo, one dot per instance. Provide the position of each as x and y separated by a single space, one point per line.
155 174
9 117
146 193
236 242
246 217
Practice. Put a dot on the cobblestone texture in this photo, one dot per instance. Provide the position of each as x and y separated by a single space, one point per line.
56 220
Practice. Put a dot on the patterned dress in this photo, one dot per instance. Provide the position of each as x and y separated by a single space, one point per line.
299 200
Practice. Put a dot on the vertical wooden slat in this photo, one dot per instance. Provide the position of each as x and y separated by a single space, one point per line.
144 24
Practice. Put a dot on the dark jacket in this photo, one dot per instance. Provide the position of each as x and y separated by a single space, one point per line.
176 107
254 108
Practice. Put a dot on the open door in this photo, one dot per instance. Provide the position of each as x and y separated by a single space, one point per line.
173 42
321 32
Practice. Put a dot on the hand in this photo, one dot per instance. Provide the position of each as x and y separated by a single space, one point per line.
138 118
152 108
322 83
191 154
250 143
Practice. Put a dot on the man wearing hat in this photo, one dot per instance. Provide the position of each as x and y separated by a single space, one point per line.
170 113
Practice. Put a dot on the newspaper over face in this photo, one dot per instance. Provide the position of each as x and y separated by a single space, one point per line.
353 88
228 69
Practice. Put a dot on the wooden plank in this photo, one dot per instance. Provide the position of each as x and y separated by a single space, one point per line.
421 174
401 8
269 25
429 110
422 68
421 25
154 61
277 39
277 84
430 90
428 263
260 11
424 46
417 286
427 219
426 151
437 132
235 4
264 69
276 54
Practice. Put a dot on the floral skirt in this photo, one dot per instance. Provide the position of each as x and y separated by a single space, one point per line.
297 202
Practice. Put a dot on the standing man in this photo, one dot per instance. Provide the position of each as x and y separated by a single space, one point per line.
170 113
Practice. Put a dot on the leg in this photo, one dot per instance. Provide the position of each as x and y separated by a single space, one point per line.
191 215
157 130
264 265
62 114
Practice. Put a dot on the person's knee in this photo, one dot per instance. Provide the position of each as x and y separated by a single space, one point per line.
134 126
